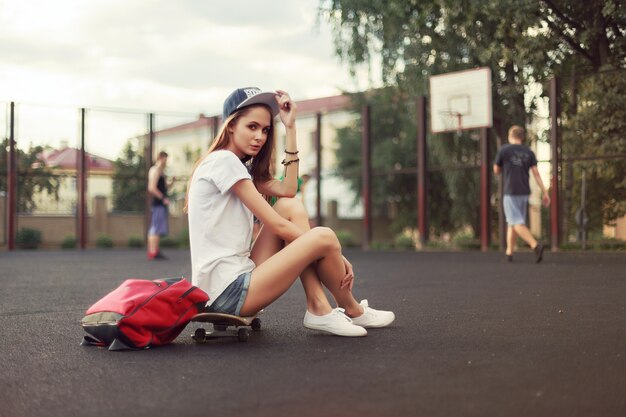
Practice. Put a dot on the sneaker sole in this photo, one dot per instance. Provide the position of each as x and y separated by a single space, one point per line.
377 326
326 330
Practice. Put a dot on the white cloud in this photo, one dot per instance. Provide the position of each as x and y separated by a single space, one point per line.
158 55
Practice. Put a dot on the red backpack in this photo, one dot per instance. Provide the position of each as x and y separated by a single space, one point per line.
141 313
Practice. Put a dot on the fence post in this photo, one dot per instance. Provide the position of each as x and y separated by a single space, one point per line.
11 182
318 168
366 175
149 152
485 190
82 173
422 172
555 145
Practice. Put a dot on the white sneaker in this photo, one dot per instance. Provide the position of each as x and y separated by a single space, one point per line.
373 318
335 322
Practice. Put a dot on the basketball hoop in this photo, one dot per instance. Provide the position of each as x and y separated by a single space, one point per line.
452 120
460 101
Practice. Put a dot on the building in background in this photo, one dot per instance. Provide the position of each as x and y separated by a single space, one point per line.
185 143
64 162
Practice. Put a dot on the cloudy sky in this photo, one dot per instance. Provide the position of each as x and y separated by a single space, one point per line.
184 55
175 56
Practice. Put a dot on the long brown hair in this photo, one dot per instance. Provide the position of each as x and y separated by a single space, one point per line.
260 166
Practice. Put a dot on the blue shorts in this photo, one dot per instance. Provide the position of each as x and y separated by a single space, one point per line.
515 207
158 223
231 299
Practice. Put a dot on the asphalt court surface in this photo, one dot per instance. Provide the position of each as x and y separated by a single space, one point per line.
474 336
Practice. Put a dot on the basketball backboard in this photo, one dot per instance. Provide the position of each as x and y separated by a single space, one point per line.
461 100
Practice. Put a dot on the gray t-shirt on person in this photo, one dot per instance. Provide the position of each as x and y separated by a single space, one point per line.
515 161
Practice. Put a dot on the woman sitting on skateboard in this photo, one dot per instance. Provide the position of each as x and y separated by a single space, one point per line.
227 189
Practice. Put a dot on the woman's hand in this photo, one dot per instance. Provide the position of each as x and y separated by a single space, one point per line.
287 108
348 280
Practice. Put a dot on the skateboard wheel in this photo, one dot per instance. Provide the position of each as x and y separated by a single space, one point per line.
242 334
256 324
199 335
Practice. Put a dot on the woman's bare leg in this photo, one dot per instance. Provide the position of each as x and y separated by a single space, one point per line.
273 277
293 210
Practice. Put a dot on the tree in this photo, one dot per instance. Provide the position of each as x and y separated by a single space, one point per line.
521 42
597 129
129 179
33 176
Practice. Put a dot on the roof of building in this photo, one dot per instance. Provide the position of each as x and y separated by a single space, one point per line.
67 158
305 108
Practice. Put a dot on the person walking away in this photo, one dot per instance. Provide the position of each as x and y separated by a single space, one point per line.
157 188
514 161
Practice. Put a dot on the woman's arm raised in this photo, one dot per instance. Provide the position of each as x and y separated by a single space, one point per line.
250 197
289 184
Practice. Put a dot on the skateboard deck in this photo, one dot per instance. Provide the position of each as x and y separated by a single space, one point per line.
225 325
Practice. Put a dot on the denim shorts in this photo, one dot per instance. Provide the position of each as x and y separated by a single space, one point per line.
515 207
158 223
231 299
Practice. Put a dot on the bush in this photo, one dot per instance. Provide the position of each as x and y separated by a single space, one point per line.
168 242
466 240
183 238
346 239
610 244
404 241
135 242
69 242
104 241
378 245
28 238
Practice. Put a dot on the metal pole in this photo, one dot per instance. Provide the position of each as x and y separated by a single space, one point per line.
422 172
149 152
215 123
555 162
583 217
12 182
366 176
485 190
82 174
318 169
501 137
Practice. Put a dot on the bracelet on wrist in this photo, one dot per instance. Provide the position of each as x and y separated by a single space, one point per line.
287 163
291 153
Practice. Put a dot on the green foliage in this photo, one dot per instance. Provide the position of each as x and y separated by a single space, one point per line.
378 245
27 238
33 176
393 150
168 242
104 241
404 241
595 127
129 180
521 43
596 245
465 239
69 242
346 238
135 242
453 194
183 238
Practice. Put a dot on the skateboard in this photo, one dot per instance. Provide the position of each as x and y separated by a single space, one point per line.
221 324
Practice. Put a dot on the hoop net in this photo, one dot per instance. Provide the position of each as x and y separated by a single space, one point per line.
452 120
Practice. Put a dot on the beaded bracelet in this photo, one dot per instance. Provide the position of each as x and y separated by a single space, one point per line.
286 163
291 153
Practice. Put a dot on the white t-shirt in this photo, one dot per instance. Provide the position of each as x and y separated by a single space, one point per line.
220 225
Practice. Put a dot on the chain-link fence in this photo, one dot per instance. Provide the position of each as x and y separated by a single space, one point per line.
67 157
